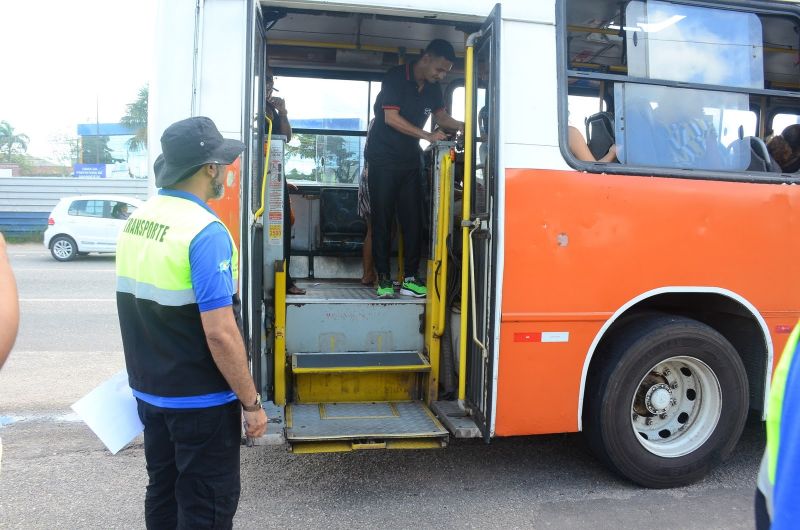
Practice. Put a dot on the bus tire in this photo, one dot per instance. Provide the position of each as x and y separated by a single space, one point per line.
669 403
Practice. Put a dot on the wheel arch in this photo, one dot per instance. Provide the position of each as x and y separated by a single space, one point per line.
727 312
62 234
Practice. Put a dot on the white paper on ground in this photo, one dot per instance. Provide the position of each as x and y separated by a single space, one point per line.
110 411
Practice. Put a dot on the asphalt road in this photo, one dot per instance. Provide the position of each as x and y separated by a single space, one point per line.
56 474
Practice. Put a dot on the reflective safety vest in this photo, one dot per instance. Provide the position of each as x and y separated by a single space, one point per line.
166 352
769 463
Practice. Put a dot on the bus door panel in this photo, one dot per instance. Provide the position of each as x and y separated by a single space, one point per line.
483 214
252 239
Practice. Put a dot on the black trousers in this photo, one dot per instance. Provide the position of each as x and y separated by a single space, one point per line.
762 515
287 231
193 466
393 190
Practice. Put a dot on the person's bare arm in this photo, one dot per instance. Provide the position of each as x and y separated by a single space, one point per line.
283 114
578 146
611 156
581 151
9 305
399 123
227 349
448 122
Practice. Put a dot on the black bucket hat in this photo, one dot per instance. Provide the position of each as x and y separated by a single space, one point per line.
189 144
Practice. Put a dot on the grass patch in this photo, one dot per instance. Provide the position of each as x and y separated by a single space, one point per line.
23 237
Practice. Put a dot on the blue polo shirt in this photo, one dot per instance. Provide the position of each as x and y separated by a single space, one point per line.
213 288
786 493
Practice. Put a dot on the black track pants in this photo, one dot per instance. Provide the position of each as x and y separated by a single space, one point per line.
395 190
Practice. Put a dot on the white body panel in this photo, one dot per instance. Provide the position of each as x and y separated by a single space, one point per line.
199 67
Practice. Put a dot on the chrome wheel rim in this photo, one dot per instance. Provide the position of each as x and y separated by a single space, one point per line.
676 406
62 248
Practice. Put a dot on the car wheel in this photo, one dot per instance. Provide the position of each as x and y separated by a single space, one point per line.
63 248
669 403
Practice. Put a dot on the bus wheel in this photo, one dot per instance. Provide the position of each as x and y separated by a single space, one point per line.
669 404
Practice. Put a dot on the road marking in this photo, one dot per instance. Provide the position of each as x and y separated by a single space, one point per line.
67 299
51 269
59 352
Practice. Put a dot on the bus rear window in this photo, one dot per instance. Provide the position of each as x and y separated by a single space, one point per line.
694 44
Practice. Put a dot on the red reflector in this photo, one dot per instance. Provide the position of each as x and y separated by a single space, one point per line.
51 221
783 329
532 336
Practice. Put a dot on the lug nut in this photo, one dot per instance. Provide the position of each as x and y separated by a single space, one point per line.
673 402
649 421
667 371
674 386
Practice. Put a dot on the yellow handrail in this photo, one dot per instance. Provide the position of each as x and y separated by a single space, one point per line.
260 210
441 242
469 138
280 336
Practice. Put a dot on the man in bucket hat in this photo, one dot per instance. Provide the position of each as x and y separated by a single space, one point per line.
177 269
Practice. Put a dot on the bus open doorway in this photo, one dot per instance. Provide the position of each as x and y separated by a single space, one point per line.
352 371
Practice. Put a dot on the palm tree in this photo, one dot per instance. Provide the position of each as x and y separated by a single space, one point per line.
136 119
11 143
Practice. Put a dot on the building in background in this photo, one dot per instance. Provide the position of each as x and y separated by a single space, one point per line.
104 152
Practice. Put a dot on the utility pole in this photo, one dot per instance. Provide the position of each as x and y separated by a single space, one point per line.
97 129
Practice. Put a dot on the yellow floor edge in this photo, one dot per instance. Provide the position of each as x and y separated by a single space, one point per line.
353 445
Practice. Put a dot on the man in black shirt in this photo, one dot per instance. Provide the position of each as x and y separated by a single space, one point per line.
409 94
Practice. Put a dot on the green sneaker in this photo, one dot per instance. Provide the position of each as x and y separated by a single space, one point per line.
413 287
385 289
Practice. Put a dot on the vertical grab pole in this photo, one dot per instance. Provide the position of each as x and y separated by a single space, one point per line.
469 139
441 240
280 334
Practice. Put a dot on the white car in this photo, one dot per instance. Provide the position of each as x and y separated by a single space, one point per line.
87 223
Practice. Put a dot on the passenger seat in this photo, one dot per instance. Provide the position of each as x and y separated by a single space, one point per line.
600 133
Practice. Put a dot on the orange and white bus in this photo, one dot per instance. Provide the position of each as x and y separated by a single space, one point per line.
638 295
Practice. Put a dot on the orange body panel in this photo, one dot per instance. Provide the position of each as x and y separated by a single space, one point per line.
227 208
579 246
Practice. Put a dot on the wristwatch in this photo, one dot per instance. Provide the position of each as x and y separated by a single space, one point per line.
255 406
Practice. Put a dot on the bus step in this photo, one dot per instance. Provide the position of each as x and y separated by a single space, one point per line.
353 426
347 316
354 362
456 420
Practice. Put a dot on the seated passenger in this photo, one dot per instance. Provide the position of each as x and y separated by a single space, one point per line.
581 151
785 149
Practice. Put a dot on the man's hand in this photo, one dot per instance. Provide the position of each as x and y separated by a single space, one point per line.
255 423
436 136
279 104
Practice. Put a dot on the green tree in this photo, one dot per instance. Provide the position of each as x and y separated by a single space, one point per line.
95 151
11 143
333 156
136 119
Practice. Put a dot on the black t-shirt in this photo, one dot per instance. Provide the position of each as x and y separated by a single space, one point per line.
388 146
